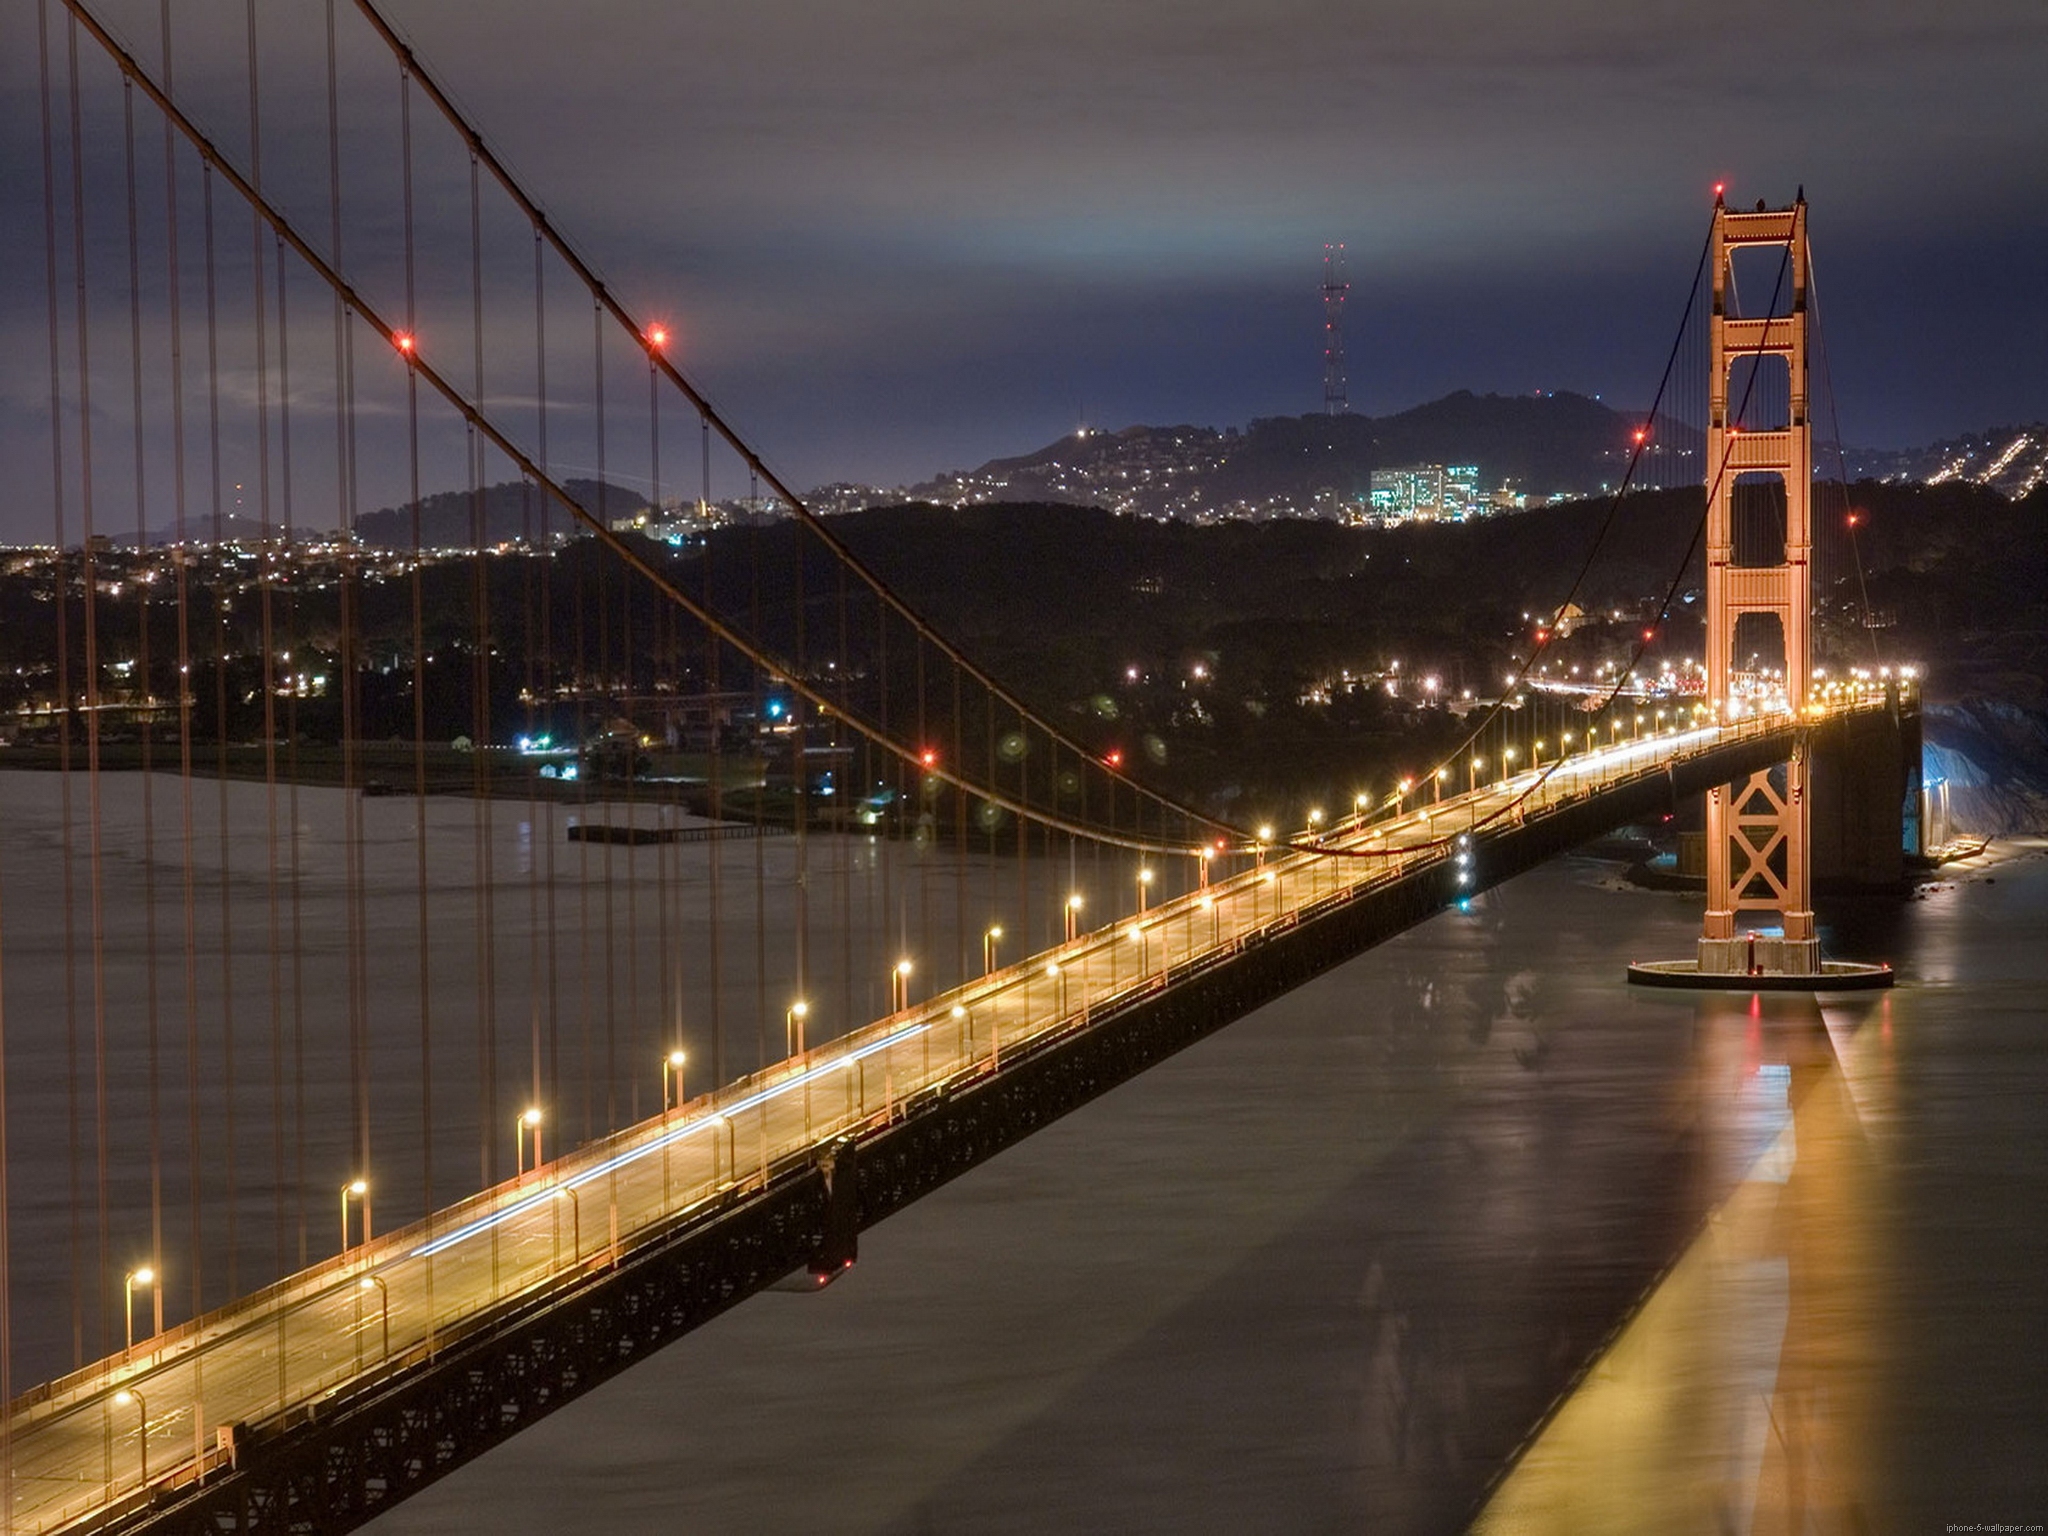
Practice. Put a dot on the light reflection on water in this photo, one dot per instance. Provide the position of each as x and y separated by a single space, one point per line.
1738 1398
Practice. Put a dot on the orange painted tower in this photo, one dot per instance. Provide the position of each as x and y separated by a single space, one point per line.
1757 830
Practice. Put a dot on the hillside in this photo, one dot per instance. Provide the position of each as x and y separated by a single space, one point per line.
1545 444
511 510
2009 460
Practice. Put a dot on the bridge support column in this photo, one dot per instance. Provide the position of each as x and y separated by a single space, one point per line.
1759 597
1757 832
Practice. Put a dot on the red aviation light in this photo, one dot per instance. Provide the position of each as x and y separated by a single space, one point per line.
1642 435
1114 757
403 340
928 757
657 336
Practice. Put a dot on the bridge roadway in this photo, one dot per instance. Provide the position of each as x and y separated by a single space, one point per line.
105 1442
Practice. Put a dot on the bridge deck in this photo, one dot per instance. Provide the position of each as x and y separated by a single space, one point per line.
271 1359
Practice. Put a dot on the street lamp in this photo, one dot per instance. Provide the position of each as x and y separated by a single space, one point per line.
355 1189
672 1072
1265 837
528 1121
1507 763
1208 857
143 1276
1073 915
1478 763
899 987
1437 794
124 1397
793 1027
1144 886
376 1282
988 948
1315 821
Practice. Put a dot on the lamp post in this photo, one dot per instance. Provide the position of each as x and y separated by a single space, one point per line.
1437 794
1073 915
988 948
1208 858
1472 780
1265 837
354 1189
528 1121
376 1282
1144 888
124 1397
672 1075
899 986
793 1026
145 1276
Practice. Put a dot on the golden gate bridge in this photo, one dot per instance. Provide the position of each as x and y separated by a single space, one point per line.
356 1114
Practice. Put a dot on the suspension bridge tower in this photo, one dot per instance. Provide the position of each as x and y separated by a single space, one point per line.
1759 843
1758 830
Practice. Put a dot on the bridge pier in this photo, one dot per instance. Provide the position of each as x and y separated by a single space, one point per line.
1864 776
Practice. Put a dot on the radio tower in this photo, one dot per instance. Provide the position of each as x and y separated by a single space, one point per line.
1336 399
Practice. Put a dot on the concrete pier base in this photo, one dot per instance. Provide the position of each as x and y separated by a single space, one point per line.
1750 953
1822 976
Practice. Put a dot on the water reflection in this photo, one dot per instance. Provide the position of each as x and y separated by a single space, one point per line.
1740 1396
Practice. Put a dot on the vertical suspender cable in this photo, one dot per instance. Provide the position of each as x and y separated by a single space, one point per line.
145 706
180 544
422 905
295 639
482 821
89 584
266 579
62 698
217 592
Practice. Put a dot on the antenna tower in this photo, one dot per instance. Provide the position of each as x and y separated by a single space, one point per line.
1336 396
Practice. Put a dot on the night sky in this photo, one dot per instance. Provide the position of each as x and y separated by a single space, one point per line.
911 234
